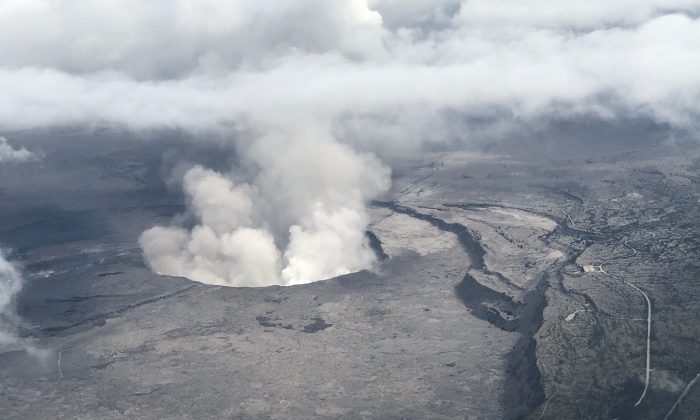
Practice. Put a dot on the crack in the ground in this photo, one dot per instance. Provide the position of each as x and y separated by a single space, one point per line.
100 319
524 384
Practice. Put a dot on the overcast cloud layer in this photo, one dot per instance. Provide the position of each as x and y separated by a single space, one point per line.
310 82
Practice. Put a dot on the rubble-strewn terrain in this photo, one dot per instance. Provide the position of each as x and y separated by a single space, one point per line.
593 237
510 286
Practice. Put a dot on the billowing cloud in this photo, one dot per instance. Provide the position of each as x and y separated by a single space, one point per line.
530 72
316 89
567 15
168 39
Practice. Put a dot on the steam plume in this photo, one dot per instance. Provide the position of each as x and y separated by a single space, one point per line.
318 88
10 154
301 218
10 286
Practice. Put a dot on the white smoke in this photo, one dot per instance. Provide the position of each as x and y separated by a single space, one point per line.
10 154
10 277
317 86
10 286
301 218
11 283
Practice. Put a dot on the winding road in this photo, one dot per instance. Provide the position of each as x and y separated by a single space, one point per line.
572 315
570 219
546 403
648 364
647 369
634 251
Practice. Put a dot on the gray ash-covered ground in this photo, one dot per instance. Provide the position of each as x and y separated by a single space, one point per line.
470 316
